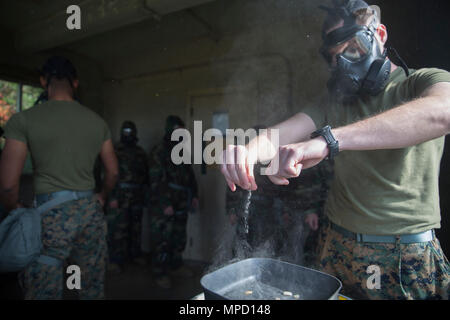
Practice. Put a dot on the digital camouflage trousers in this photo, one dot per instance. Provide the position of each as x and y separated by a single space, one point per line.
168 241
75 230
405 271
125 228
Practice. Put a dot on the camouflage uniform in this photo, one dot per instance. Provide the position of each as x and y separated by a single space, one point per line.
306 195
407 271
263 232
74 230
125 222
170 185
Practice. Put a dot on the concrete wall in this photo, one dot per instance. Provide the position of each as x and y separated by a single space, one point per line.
267 49
272 48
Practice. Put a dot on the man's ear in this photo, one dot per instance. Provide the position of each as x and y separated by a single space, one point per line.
382 33
43 82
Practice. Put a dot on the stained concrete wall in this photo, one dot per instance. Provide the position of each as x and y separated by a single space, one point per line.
268 47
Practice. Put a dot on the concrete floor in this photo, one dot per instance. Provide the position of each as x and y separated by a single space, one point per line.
136 282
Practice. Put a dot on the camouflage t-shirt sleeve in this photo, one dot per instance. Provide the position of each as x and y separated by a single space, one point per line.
16 128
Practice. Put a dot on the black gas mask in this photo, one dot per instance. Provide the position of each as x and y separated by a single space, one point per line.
128 133
361 68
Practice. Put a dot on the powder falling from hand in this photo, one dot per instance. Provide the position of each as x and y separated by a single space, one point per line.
248 200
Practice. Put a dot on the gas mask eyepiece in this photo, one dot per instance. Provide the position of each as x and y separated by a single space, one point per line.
357 64
128 133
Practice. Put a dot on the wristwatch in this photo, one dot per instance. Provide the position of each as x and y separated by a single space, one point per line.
333 144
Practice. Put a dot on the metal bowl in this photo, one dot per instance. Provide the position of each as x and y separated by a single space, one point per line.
269 279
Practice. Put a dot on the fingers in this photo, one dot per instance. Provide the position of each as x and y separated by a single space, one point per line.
290 165
237 169
251 177
284 166
231 185
241 169
230 162
100 199
313 221
279 180
315 224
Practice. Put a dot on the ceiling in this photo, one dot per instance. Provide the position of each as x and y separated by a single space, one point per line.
23 18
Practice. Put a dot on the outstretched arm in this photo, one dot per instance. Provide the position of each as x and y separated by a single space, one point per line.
109 160
11 166
411 123
420 120
238 161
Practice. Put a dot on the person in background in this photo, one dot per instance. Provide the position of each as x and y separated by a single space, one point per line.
173 194
304 202
126 203
64 139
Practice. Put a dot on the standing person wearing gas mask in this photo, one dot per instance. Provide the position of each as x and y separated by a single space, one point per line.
63 157
173 196
126 203
384 126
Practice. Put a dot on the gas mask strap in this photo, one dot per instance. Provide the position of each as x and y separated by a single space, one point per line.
402 62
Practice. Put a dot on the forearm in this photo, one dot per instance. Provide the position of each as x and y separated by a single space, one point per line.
410 124
9 197
264 147
296 129
109 182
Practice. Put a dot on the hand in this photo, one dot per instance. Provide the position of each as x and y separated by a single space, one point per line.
312 220
101 198
114 204
237 167
233 219
293 158
194 203
169 211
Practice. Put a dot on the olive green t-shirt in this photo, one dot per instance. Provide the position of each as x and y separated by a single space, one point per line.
64 138
385 192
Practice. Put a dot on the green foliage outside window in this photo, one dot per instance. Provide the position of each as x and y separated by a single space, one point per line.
8 100
8 106
29 96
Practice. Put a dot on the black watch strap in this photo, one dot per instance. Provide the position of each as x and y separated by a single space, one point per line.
333 144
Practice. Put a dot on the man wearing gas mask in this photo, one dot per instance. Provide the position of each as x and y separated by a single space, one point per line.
384 126
173 196
126 204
